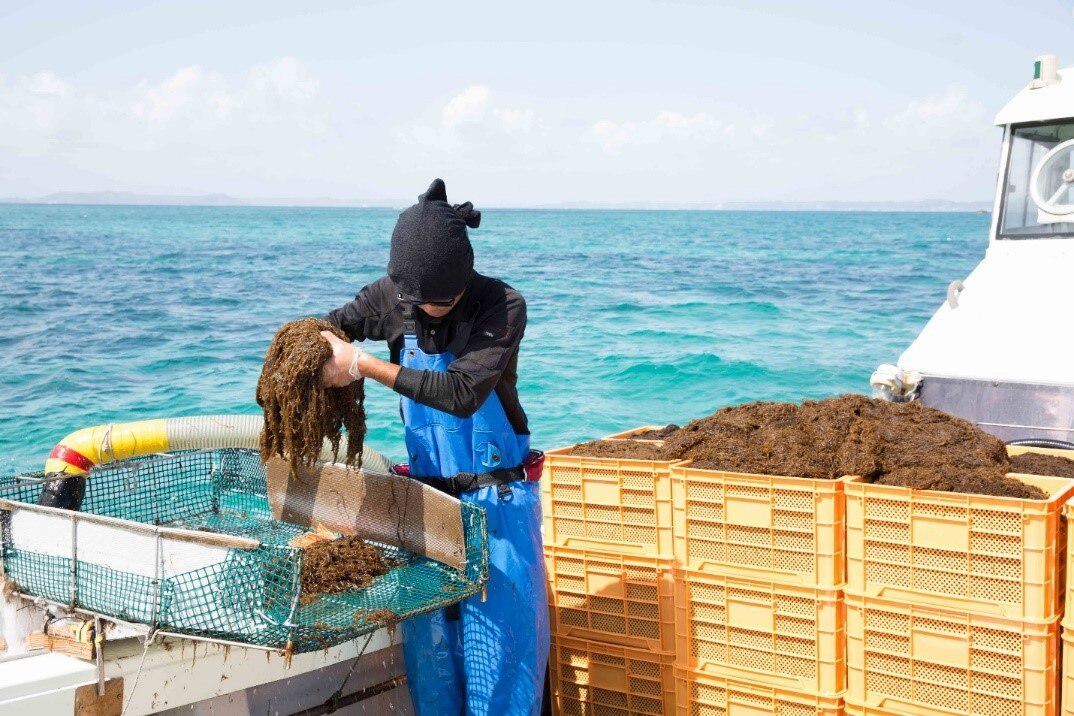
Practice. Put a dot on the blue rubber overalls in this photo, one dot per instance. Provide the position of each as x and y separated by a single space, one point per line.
491 657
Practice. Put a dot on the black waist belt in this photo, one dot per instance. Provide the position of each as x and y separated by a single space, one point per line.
467 481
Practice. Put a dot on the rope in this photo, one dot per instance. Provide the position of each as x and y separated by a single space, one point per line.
24 481
106 443
149 638
339 692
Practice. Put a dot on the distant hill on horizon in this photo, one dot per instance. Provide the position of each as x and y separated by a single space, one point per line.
127 198
130 198
924 205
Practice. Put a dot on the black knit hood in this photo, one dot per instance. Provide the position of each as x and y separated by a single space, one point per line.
431 258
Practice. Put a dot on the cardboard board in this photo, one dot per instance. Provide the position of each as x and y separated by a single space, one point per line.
390 509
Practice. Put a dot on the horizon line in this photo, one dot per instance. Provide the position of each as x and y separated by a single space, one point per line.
496 207
114 198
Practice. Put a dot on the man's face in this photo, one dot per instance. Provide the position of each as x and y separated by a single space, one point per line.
439 310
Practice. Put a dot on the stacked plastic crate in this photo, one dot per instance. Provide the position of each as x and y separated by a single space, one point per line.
953 601
1067 668
609 554
758 593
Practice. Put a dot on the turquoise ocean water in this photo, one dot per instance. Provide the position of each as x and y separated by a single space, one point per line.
112 314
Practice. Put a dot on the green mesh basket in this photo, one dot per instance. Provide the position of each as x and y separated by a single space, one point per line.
250 596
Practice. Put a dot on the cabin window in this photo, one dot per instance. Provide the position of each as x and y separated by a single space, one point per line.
1039 197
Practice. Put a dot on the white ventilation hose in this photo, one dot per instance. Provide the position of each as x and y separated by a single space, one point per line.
244 431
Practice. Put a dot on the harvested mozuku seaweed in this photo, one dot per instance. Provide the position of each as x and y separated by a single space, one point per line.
341 565
904 444
769 438
627 448
300 412
658 434
623 449
1034 463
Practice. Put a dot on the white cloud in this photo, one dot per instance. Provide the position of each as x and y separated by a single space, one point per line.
287 78
467 106
190 92
475 128
678 120
271 130
949 124
194 127
610 135
515 121
34 105
667 126
202 96
46 83
954 105
474 107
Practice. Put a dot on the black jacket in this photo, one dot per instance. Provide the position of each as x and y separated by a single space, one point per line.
483 331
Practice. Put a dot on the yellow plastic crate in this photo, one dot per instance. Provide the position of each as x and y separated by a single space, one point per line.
1067 685
992 555
702 694
594 679
622 506
620 599
762 526
784 635
924 660
1067 536
853 709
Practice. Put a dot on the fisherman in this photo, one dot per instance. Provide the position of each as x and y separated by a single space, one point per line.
454 337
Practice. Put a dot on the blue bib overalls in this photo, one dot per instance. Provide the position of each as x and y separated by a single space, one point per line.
489 659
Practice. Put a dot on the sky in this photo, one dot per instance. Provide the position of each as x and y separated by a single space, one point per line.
516 104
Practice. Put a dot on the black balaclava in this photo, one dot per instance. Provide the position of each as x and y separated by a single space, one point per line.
431 258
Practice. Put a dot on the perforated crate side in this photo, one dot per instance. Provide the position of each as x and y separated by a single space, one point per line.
620 599
702 694
992 555
607 504
1066 686
784 635
762 526
924 660
1065 563
855 709
594 679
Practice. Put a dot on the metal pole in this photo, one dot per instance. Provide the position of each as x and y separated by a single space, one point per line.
139 627
221 642
74 559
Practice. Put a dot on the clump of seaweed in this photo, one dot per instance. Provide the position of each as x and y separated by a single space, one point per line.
341 565
657 434
300 413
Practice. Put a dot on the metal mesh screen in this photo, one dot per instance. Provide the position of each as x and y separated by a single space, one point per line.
249 595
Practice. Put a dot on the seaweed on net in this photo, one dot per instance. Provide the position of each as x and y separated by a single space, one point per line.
341 565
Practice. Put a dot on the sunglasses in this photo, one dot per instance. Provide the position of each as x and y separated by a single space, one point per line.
416 302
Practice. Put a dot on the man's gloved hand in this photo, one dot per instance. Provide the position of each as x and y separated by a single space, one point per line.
342 368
